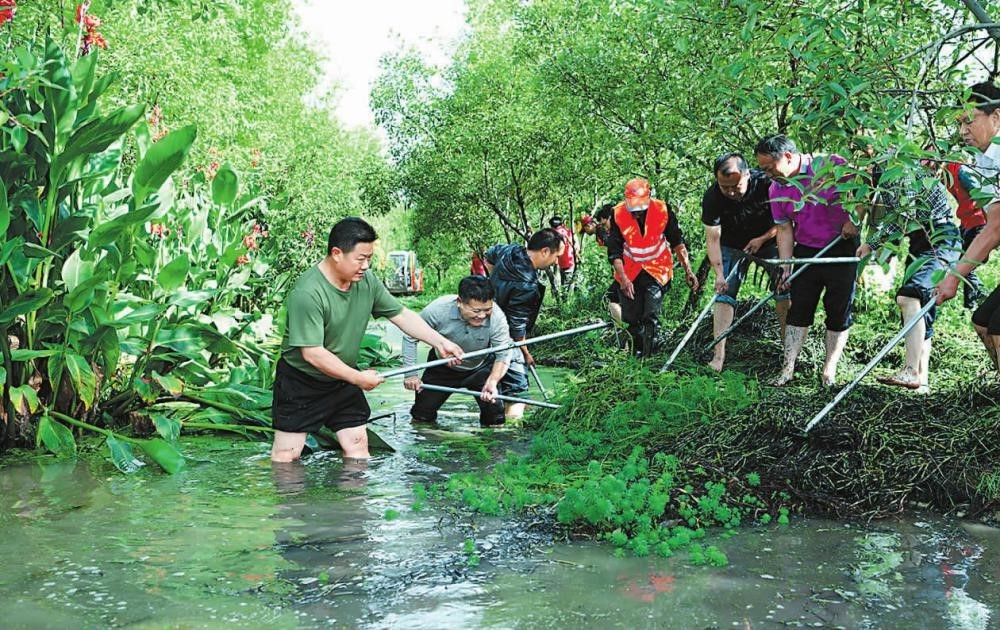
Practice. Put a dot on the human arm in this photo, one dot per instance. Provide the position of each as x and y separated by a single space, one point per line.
675 237
414 326
713 237
499 369
755 244
330 364
786 247
978 253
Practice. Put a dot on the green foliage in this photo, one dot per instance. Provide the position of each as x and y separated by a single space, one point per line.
391 514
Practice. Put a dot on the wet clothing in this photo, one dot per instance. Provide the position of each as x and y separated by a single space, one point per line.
516 289
911 209
811 204
642 314
304 404
741 220
835 283
427 402
321 315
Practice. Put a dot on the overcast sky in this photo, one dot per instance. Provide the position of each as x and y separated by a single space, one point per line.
354 34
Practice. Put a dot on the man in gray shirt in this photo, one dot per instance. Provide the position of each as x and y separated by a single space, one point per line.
473 321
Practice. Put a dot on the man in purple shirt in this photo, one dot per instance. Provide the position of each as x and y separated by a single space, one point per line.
807 209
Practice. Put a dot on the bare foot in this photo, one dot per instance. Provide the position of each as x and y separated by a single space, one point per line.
904 378
782 379
827 381
716 364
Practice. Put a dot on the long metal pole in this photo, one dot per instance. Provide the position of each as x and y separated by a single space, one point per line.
694 326
513 399
764 300
538 380
871 364
507 346
811 261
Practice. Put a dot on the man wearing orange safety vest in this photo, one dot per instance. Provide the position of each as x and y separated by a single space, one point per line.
643 231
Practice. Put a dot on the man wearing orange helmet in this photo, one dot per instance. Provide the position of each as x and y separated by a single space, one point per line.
643 233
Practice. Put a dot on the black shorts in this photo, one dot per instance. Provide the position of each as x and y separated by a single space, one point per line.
835 283
988 314
303 404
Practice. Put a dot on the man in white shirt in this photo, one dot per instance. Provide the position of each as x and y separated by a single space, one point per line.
980 128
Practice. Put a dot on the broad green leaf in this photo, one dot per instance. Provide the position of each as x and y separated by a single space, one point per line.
3 374
18 138
33 250
97 135
170 383
56 437
9 248
75 270
67 231
163 453
144 314
60 96
173 274
83 377
225 186
168 428
82 295
82 72
160 161
24 354
4 211
25 303
122 456
108 232
184 299
26 395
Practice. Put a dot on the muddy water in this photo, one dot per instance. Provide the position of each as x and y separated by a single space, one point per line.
232 540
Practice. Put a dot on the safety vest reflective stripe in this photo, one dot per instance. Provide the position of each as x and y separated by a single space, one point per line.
646 254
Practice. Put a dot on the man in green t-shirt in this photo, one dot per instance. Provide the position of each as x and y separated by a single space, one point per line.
317 381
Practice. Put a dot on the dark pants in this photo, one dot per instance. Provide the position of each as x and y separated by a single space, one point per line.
642 314
937 256
988 313
835 283
973 289
425 407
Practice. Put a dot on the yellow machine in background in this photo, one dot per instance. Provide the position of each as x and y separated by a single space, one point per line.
403 275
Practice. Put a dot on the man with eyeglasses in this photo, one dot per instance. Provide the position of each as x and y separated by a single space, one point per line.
644 239
808 207
474 322
736 212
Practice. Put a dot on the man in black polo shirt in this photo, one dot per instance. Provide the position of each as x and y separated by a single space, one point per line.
737 217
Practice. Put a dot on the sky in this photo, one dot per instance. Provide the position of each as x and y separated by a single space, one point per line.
353 34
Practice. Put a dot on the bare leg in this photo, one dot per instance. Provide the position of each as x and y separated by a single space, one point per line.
513 411
925 367
795 336
914 340
722 317
287 447
616 311
835 342
781 309
354 442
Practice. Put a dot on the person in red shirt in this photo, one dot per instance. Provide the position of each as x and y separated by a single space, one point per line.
958 181
567 260
478 268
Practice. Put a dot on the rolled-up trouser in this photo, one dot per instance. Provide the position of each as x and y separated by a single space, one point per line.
835 283
425 407
732 256
940 254
973 289
642 314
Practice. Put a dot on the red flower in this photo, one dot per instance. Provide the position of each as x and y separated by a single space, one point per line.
94 39
81 10
6 15
250 242
242 260
91 22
